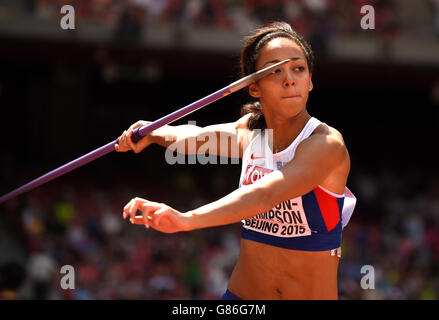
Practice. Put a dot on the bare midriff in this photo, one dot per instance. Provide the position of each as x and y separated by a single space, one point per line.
272 273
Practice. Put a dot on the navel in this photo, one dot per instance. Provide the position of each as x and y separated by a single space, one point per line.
278 291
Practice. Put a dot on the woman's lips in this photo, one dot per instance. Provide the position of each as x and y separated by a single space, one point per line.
292 96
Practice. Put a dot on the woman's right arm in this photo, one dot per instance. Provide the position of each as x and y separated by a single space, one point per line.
226 139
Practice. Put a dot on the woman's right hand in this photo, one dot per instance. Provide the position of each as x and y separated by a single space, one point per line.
125 142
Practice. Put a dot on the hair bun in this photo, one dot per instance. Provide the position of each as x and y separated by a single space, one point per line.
257 120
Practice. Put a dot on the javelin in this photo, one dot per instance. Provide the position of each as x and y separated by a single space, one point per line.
143 131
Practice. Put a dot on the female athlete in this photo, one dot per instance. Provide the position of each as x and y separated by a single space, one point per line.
292 184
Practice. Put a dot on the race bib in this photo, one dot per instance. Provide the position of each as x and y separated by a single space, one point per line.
286 220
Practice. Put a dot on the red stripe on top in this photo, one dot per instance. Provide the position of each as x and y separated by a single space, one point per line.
328 207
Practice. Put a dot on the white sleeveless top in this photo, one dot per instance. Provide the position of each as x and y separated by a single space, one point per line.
310 222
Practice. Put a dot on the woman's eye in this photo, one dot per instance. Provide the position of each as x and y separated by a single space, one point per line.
299 68
277 71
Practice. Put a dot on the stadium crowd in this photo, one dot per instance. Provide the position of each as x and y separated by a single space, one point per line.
324 18
78 221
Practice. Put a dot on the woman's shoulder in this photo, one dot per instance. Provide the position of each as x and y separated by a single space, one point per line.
334 141
327 140
329 132
330 142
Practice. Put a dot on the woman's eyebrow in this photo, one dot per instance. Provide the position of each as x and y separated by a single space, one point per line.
277 60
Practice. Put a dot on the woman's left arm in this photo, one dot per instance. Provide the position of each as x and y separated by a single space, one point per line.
314 160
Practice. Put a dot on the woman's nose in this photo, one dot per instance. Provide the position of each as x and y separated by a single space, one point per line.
289 81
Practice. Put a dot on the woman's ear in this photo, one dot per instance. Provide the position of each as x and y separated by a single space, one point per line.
311 86
253 90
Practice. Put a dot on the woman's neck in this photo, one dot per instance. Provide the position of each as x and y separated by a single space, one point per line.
285 130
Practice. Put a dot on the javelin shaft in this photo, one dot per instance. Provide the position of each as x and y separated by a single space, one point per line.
60 171
140 132
95 154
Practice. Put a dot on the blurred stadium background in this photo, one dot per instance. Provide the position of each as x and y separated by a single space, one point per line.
64 93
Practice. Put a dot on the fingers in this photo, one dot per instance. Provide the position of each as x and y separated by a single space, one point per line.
146 220
133 146
157 215
131 208
148 212
148 209
137 125
122 145
127 208
139 220
125 142
143 220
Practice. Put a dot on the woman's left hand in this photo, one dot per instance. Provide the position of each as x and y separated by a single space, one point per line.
160 216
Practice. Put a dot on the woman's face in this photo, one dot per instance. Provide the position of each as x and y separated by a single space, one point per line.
285 92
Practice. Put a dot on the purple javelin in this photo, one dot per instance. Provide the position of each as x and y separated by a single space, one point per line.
142 131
